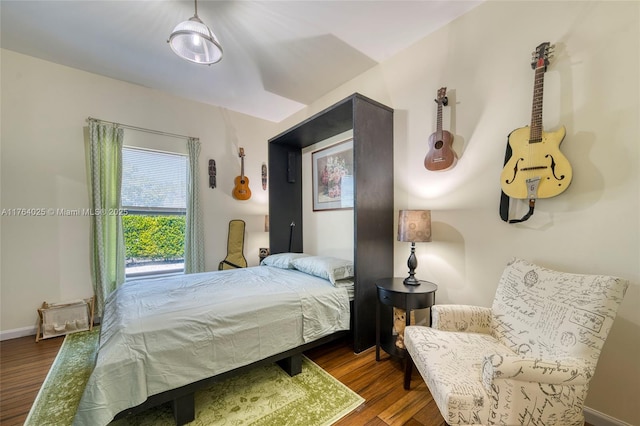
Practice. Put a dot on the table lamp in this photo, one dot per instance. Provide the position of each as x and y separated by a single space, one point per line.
414 226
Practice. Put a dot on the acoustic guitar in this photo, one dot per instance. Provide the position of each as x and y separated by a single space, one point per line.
537 168
241 191
441 155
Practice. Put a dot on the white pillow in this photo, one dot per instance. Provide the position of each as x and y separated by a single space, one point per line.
282 260
327 267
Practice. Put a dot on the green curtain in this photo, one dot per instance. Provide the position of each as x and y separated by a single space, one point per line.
193 233
107 238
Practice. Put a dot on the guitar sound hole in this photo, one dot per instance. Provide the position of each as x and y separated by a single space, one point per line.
438 145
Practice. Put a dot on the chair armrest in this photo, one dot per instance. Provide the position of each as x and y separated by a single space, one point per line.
472 319
564 371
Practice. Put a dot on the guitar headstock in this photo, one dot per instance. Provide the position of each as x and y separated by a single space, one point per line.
442 97
540 57
241 152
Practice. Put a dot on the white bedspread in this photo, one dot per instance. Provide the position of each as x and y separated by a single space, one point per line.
161 334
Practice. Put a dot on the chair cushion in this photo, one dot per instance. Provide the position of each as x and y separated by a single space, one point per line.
451 364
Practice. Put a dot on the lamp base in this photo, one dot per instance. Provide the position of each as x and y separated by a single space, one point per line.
412 263
411 280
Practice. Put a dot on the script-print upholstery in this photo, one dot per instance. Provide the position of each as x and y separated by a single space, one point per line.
526 360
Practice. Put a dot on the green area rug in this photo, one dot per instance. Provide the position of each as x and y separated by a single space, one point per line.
261 396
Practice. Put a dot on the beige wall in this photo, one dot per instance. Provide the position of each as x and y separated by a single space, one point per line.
326 233
44 112
592 88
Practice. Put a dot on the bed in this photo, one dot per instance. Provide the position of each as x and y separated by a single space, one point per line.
161 339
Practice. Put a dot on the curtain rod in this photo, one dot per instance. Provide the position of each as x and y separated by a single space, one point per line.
142 129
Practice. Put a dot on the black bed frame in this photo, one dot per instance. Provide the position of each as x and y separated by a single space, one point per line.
182 398
372 125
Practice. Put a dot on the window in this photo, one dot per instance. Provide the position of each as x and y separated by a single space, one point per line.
154 188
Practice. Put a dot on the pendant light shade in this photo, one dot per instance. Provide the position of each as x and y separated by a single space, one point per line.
194 41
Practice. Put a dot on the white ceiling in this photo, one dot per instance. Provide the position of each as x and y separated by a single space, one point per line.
278 55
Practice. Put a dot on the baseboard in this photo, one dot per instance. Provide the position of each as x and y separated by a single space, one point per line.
596 418
18 332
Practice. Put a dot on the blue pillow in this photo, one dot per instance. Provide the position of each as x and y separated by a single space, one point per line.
282 260
327 267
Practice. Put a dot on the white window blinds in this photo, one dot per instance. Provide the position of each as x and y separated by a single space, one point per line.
153 181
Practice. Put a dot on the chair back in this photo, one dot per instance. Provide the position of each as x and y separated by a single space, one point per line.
539 312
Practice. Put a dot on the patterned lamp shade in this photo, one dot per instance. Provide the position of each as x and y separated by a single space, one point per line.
414 226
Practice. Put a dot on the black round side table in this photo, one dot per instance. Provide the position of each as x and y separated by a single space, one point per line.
394 292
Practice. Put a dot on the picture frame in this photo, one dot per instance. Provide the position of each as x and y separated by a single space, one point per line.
332 176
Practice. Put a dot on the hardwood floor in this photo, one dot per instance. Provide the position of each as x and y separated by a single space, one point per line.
381 385
24 365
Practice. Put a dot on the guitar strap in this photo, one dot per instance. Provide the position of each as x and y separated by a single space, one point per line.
504 198
226 262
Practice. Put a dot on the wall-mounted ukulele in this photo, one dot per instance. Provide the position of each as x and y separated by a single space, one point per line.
536 168
241 190
440 156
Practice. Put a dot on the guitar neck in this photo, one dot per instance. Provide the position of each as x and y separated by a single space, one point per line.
536 109
439 118
241 155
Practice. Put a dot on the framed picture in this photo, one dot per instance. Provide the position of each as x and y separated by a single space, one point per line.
332 172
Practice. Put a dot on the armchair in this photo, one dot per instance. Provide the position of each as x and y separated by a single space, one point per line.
526 360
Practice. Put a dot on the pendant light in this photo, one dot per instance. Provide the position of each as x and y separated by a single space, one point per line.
194 41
